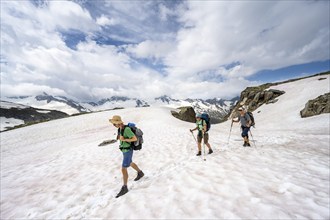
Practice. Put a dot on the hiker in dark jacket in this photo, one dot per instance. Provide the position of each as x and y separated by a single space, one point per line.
246 122
126 136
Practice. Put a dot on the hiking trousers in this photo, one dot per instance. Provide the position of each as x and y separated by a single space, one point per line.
245 131
200 137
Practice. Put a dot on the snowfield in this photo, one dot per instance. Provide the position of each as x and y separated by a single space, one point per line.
55 170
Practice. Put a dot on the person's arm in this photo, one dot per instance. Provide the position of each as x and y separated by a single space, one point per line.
233 120
191 130
129 134
132 139
204 126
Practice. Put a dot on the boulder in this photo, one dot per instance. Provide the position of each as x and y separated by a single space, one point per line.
185 114
316 106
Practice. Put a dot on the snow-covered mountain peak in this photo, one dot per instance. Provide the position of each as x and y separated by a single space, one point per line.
49 102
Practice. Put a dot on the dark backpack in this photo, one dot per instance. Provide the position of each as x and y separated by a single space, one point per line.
206 118
252 118
136 145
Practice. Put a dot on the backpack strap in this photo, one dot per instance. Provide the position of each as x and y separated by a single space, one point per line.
121 131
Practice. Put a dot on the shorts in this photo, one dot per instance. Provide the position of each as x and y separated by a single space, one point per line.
200 137
245 131
127 158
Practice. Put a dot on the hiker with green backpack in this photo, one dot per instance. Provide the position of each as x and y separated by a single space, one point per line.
246 123
126 137
202 125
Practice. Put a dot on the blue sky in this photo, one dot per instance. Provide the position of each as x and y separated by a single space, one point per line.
89 50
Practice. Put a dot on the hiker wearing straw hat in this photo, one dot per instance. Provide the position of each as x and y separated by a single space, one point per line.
126 136
202 134
246 123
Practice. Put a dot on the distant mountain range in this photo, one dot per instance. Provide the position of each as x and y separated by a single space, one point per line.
217 108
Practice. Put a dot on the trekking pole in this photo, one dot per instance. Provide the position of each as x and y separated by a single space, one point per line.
253 139
193 136
231 126
203 147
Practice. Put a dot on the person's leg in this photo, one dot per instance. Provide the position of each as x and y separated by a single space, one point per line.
135 167
140 174
247 137
125 175
127 160
245 131
206 142
125 164
243 136
199 145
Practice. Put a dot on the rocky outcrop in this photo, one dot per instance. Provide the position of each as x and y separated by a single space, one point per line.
253 97
316 106
32 115
185 114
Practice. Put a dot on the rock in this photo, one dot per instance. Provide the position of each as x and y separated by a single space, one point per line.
268 96
186 114
31 115
316 106
256 96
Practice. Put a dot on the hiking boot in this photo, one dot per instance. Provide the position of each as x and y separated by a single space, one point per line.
139 175
248 145
123 191
199 153
245 144
210 151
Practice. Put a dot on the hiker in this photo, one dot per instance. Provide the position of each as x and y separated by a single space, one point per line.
202 134
126 136
246 122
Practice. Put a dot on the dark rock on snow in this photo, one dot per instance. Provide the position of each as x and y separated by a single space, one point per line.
186 114
316 106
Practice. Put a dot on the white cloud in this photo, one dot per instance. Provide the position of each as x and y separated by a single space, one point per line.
165 12
104 20
66 15
258 34
20 89
196 55
151 49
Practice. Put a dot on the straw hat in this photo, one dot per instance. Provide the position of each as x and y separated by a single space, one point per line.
116 119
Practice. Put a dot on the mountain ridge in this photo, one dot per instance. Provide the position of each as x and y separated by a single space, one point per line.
217 108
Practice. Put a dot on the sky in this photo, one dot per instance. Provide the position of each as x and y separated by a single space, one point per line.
89 50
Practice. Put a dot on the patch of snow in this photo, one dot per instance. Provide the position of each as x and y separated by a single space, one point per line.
9 123
43 112
9 105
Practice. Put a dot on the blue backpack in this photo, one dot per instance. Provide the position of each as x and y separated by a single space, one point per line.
206 118
137 145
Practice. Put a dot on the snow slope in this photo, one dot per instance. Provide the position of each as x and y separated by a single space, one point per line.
55 170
